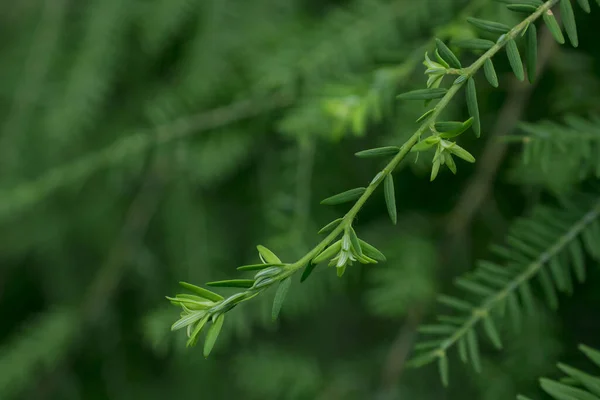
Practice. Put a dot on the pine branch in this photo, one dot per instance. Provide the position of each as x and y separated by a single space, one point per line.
543 246
205 306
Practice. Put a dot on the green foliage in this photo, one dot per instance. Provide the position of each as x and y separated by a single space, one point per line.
154 141
390 198
547 247
344 197
546 141
343 252
525 356
514 58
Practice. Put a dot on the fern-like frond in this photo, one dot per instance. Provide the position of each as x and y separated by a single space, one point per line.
560 154
577 384
549 246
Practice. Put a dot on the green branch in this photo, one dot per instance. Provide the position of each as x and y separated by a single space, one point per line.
478 314
549 245
198 309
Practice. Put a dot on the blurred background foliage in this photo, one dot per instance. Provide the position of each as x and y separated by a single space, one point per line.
146 142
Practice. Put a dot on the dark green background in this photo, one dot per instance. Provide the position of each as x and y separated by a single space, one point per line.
147 142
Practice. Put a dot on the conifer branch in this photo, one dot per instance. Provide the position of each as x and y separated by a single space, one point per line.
205 305
541 246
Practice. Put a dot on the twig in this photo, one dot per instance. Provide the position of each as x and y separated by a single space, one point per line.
479 186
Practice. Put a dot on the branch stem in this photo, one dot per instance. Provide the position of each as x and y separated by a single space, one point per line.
426 126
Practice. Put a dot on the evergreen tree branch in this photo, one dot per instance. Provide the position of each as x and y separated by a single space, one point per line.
207 306
541 246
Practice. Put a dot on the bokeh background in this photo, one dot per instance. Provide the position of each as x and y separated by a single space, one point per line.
145 142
